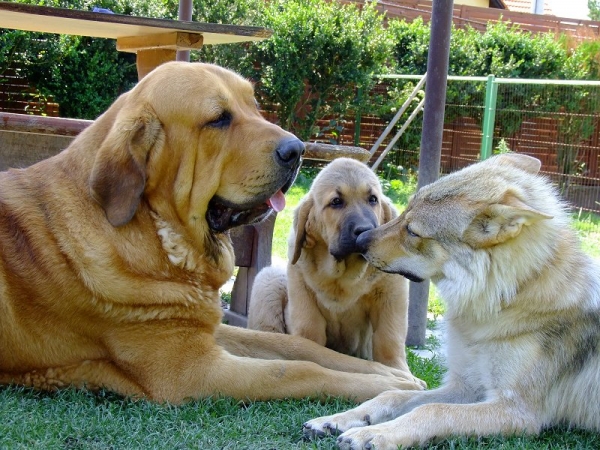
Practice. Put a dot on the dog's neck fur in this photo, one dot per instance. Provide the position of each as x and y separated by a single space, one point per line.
183 255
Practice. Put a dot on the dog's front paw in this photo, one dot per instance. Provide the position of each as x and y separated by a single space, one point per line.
384 436
332 425
365 439
405 380
420 382
410 383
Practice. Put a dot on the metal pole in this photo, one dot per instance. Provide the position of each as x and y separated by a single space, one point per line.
431 144
184 13
358 118
489 117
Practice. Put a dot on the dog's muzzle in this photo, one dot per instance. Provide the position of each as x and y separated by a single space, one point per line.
223 214
355 225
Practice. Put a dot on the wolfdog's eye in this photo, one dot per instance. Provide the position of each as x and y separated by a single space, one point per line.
373 200
224 120
410 232
336 202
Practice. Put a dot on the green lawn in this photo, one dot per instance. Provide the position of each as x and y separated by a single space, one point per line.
78 420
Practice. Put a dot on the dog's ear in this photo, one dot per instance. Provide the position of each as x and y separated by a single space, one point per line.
301 218
389 211
119 174
499 222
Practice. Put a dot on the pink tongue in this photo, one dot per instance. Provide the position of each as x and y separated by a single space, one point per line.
277 202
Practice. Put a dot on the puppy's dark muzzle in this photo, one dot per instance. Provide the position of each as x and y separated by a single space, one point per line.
288 153
354 227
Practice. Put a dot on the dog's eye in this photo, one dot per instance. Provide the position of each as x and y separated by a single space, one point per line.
336 202
373 199
224 120
410 232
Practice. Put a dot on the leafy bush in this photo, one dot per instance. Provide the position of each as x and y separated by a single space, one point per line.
84 75
505 51
319 54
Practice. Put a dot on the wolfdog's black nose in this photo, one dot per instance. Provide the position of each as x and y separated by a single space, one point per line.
289 151
360 229
363 241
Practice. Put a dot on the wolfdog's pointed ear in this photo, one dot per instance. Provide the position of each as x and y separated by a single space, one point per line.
119 174
523 162
389 212
301 218
500 222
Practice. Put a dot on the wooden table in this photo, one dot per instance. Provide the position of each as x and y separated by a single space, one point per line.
155 41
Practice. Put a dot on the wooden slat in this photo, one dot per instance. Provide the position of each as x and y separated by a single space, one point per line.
328 152
174 40
478 17
42 125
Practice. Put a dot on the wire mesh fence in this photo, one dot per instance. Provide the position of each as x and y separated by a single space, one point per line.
556 121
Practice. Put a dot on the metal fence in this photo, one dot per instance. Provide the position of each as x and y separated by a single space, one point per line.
556 121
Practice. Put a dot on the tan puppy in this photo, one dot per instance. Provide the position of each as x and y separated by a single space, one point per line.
330 294
523 311
113 252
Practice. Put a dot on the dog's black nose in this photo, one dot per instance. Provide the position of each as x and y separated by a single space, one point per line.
289 151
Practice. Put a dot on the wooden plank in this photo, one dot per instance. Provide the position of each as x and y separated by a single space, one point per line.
113 26
41 124
328 152
175 40
240 237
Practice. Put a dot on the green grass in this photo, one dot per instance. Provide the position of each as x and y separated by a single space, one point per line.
588 226
77 420
81 420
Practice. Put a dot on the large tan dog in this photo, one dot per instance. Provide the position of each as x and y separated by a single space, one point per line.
523 311
330 294
112 252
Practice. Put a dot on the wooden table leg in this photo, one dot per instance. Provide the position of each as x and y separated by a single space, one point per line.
147 60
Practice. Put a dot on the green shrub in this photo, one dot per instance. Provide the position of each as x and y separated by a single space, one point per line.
319 54
84 75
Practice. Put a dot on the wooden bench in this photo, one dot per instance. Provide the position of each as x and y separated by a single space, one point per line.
26 139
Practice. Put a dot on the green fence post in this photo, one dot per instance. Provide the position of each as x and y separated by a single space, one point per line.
489 117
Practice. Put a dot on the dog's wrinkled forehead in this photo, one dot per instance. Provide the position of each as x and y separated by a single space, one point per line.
344 172
174 85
